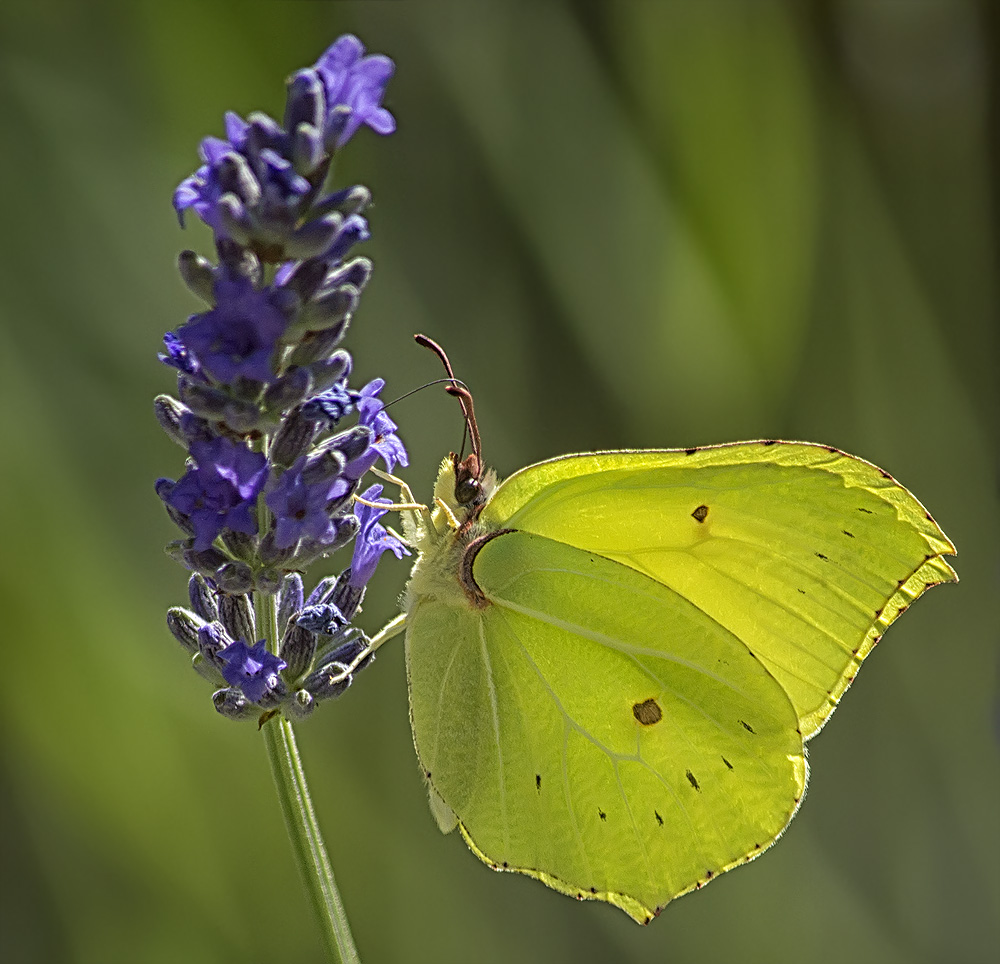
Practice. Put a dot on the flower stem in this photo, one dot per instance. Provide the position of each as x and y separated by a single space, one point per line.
300 819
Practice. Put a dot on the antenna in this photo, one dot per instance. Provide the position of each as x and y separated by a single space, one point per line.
459 391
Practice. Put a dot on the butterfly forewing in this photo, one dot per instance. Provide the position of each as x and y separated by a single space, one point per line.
802 552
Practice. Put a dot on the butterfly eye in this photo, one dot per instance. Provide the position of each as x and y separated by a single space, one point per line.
467 490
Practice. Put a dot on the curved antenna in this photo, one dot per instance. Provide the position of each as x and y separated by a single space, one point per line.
459 391
420 388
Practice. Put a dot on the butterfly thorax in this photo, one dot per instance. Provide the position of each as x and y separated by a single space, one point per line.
445 539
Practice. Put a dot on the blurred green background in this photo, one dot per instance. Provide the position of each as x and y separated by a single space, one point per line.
631 224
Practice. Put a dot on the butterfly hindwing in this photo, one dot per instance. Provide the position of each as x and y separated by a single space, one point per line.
606 726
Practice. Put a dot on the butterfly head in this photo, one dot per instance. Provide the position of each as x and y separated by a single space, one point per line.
469 490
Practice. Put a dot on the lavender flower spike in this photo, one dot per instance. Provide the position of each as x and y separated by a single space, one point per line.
278 441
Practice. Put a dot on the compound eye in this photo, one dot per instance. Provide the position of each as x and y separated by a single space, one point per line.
467 490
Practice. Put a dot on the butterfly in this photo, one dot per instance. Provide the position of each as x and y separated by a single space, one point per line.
615 659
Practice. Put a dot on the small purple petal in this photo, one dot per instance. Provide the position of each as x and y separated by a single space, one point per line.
372 539
253 670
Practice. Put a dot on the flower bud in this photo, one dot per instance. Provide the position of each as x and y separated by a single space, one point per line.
212 639
275 695
352 443
322 467
164 488
234 577
355 642
330 371
241 417
205 561
314 238
198 273
298 646
289 598
233 705
309 551
237 179
203 597
316 346
268 581
329 682
292 439
325 618
242 546
234 220
307 151
178 550
330 308
301 705
295 385
206 669
184 626
170 414
239 262
306 278
355 272
202 399
271 555
236 614
305 102
347 597
348 201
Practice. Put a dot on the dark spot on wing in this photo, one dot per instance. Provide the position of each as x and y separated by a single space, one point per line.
709 874
700 513
901 610
770 441
690 451
538 781
593 890
602 814
659 819
691 779
802 591
820 555
846 533
866 511
727 763
647 712
746 726
505 865
427 774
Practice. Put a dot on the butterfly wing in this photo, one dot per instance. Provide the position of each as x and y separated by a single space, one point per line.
802 552
624 718
592 728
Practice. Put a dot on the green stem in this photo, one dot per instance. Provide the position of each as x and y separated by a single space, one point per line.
300 819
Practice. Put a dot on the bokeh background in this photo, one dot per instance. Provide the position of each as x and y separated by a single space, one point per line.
631 224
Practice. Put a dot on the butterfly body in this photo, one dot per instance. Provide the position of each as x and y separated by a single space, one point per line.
615 659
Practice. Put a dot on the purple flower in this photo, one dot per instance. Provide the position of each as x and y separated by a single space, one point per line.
332 405
177 356
371 413
251 166
235 338
372 539
300 507
220 490
251 669
354 86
